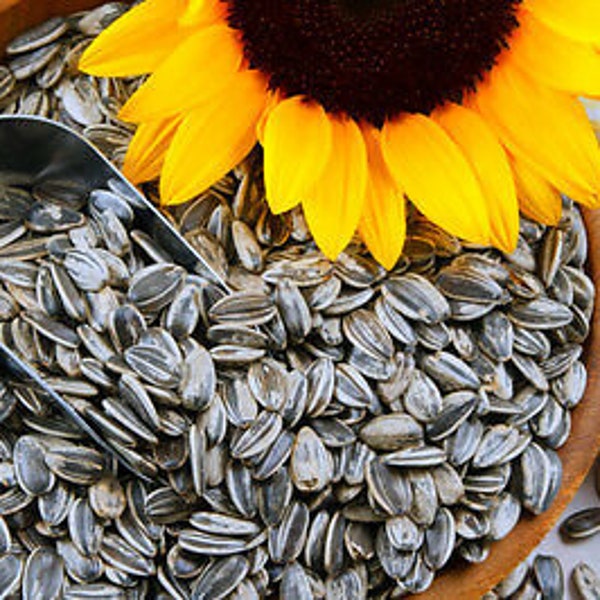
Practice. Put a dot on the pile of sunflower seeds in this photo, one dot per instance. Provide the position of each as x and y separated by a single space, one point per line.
40 77
326 430
544 580
475 339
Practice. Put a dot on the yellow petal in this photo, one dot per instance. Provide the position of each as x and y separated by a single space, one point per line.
147 150
202 13
591 200
273 101
579 20
489 163
538 200
544 127
137 42
334 206
436 176
198 68
555 60
297 145
213 138
383 222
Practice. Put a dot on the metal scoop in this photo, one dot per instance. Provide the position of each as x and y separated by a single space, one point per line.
34 149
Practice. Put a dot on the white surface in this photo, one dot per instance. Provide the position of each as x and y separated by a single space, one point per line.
574 552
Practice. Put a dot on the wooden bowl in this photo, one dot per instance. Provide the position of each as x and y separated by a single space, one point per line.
468 582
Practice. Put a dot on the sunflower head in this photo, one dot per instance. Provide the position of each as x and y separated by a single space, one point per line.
467 108
373 61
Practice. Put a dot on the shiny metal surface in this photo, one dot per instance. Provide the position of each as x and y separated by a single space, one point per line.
36 149
41 149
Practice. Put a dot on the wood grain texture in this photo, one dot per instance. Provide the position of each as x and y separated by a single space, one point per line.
459 582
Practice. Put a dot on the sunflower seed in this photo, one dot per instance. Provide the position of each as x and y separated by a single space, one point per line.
293 309
542 314
498 444
87 269
586 581
79 567
311 463
416 298
107 498
53 330
259 436
363 329
11 572
396 564
581 524
119 554
287 540
24 66
295 583
549 577
155 365
220 578
388 488
247 307
468 284
33 475
404 534
458 407
76 464
184 312
52 218
451 372
43 576
37 37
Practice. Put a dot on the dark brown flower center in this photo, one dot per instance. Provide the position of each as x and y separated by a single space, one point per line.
374 59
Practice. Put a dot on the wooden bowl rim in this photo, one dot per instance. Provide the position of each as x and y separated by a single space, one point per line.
468 582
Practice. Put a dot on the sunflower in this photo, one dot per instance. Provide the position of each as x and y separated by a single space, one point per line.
468 108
